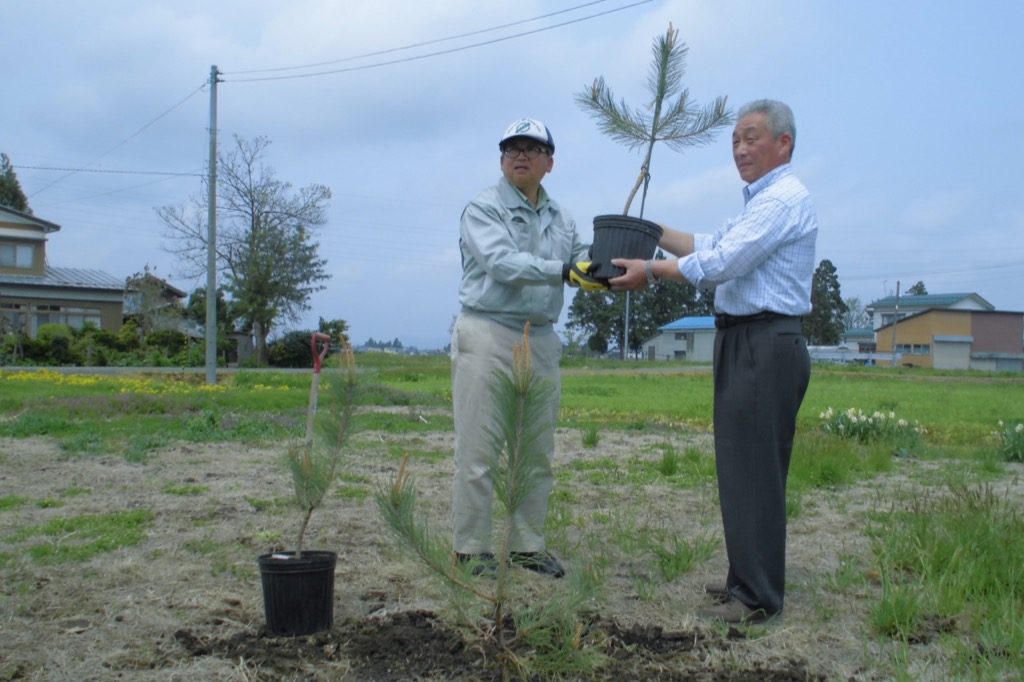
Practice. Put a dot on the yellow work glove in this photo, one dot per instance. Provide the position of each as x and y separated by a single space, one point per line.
578 275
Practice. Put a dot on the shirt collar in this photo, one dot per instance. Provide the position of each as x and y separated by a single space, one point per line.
512 197
767 179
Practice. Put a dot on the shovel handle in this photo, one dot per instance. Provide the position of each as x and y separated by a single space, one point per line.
319 354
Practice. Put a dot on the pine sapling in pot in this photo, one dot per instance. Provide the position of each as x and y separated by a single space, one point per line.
298 587
314 464
670 117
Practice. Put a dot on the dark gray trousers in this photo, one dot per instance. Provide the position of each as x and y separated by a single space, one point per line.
761 372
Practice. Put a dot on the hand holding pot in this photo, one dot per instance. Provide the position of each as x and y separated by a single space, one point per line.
635 277
578 275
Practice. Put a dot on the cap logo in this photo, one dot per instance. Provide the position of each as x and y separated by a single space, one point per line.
523 126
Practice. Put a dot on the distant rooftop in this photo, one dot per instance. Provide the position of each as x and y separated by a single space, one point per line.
77 278
927 301
19 217
690 323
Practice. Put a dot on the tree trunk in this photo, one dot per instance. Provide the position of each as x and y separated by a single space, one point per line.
260 332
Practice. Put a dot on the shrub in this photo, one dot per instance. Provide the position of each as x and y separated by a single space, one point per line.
170 341
291 350
1011 441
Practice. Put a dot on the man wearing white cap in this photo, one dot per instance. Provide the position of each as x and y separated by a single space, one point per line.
519 247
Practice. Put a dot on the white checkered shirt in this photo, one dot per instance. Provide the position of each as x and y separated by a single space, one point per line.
764 258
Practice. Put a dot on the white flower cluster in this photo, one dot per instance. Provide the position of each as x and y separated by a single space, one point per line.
1011 441
854 423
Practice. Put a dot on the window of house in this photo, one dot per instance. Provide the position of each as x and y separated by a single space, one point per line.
12 316
16 256
79 317
914 348
74 317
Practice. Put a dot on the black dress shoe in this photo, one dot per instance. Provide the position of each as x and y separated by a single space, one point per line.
483 564
538 562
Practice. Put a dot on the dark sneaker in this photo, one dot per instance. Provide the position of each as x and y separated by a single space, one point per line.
483 564
538 562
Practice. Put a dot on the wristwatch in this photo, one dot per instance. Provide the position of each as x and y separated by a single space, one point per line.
649 269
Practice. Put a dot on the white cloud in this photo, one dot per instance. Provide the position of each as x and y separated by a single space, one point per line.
900 193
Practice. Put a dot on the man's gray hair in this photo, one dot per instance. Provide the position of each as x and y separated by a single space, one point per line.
778 117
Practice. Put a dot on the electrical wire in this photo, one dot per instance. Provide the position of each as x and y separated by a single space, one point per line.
439 52
106 170
85 167
119 144
423 44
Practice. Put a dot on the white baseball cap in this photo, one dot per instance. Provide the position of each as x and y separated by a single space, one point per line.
528 127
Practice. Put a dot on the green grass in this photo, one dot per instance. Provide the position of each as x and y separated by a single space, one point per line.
186 490
9 502
83 537
940 556
949 570
91 412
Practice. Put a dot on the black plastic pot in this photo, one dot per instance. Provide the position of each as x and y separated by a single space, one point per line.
298 594
621 236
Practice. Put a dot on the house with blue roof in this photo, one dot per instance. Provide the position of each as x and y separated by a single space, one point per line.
688 338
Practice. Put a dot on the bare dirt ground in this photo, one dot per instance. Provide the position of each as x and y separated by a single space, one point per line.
186 603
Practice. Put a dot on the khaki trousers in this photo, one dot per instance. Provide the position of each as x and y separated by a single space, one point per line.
480 347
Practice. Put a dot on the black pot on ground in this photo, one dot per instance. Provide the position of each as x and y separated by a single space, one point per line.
298 594
621 236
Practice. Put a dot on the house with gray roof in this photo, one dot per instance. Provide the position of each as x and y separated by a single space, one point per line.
886 310
32 293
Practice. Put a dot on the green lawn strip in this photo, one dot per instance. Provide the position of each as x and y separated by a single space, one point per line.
9 502
82 537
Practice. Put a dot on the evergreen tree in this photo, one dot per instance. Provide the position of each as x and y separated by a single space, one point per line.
336 329
599 316
824 325
227 317
11 194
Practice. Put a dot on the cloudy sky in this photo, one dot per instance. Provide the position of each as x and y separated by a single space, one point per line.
910 128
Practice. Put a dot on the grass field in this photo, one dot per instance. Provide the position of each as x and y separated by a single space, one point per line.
936 573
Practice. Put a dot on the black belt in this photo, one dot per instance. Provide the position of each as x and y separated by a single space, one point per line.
723 321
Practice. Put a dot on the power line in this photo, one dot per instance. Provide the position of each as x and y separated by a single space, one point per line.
439 52
104 170
122 142
425 43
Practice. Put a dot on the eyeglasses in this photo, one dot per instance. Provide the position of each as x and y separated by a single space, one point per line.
531 153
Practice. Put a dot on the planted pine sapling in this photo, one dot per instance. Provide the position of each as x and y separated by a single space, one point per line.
537 634
314 463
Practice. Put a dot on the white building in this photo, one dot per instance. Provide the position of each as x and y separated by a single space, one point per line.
688 338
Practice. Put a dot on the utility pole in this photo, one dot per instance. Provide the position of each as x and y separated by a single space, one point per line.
895 320
625 337
211 240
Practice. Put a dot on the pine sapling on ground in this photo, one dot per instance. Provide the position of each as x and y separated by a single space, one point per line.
548 633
